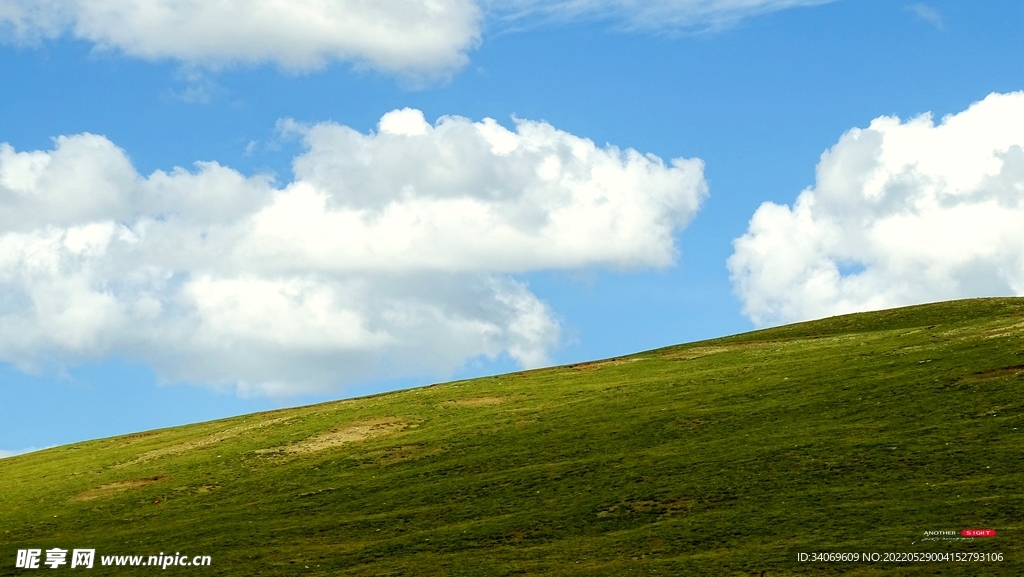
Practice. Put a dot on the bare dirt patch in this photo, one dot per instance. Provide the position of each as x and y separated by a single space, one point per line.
1014 371
479 401
594 365
129 439
199 490
631 508
691 353
400 454
206 441
1005 331
698 352
111 489
351 433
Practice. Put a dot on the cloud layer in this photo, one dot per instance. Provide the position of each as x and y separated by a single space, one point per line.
389 254
404 36
928 14
413 38
901 213
647 14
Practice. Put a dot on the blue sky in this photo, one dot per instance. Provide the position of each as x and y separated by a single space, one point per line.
898 212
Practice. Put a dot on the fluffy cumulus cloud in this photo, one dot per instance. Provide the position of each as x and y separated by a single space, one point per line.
415 38
406 36
901 213
390 253
647 14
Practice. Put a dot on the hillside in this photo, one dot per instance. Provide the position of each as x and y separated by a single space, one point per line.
723 457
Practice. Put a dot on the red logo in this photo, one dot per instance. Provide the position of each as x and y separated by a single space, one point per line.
978 532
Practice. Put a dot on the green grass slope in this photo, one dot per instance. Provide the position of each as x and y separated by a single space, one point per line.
724 457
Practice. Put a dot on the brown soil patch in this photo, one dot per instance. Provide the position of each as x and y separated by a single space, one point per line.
403 453
479 401
645 507
1005 331
698 352
690 353
203 441
1013 371
111 489
337 437
197 490
594 365
127 439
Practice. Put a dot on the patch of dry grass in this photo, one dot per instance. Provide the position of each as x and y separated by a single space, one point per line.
358 431
111 489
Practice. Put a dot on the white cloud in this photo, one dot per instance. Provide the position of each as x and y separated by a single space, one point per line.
928 14
646 14
901 213
406 36
389 254
418 39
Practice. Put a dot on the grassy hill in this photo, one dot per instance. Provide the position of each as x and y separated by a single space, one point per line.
724 457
